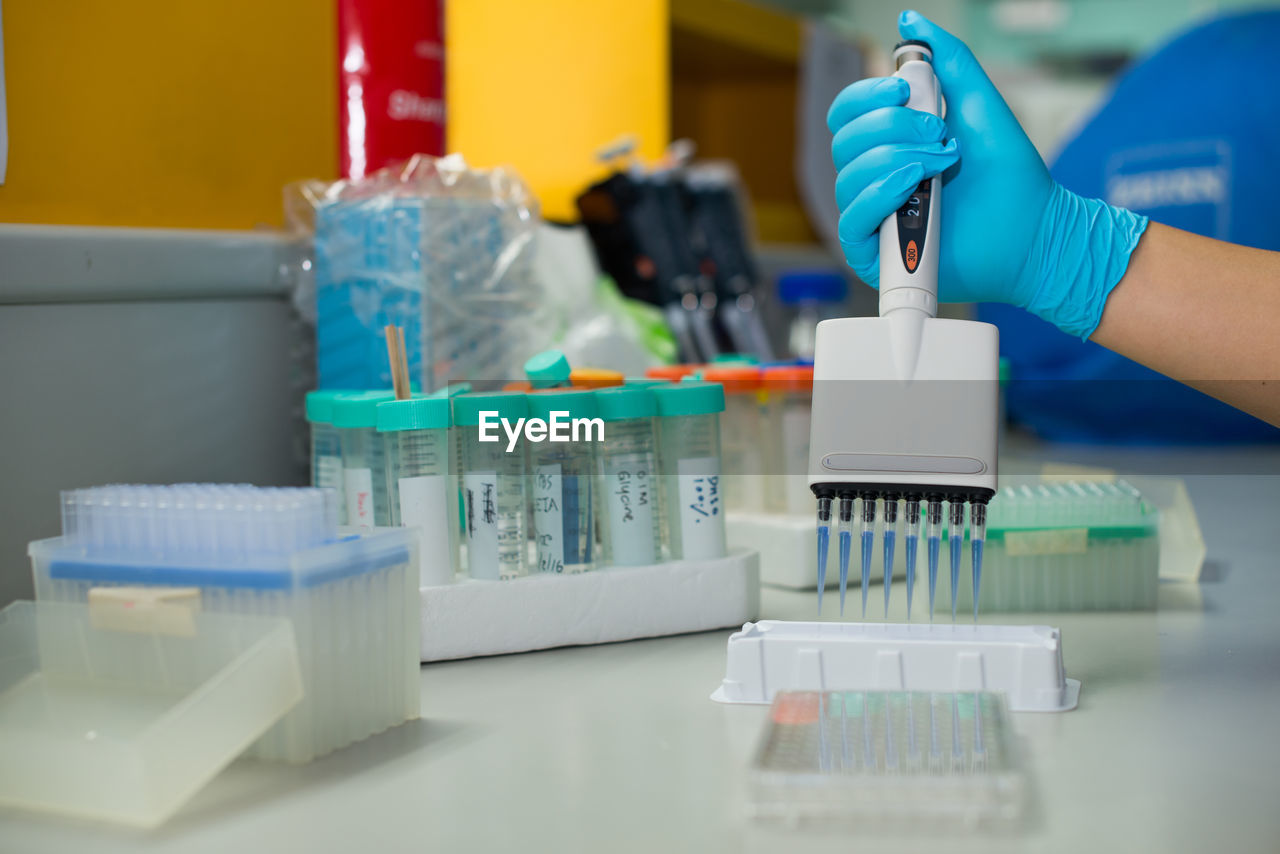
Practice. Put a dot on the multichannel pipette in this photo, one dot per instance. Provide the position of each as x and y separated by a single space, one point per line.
846 545
904 404
955 539
912 543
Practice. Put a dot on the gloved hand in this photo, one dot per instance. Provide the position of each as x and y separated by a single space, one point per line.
1009 232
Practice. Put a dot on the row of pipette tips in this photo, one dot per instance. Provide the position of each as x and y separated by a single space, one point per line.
933 535
229 521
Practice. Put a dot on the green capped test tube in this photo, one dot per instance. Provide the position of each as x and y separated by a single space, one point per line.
627 509
326 445
356 418
420 494
494 497
689 462
562 468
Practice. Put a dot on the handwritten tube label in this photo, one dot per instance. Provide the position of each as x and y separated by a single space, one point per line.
359 488
701 508
480 518
629 500
548 517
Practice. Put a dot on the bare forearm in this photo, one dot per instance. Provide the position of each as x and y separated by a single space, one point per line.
1204 312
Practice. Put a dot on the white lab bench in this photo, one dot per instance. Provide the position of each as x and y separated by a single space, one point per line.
1175 745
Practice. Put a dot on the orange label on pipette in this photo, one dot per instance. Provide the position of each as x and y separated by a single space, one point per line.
912 257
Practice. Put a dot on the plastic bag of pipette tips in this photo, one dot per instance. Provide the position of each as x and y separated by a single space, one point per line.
435 247
889 762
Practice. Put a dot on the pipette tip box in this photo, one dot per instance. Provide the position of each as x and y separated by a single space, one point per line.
889 761
1023 662
601 606
351 598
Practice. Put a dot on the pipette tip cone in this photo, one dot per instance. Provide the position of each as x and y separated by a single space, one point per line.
824 540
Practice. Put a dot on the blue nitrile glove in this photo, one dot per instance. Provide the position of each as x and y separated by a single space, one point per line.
1009 232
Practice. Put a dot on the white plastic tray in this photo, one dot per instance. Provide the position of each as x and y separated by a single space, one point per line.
1023 662
472 618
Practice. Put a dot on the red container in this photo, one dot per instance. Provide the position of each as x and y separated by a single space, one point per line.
390 82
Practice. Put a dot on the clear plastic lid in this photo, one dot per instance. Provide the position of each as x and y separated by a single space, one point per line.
124 708
889 761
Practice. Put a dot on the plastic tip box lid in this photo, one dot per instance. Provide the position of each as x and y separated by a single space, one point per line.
108 712
353 555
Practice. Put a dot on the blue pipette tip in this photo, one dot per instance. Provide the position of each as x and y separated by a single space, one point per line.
955 573
889 539
911 571
868 540
846 544
824 542
934 545
977 574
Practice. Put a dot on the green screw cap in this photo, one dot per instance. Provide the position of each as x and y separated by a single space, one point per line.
452 390
579 403
625 402
511 405
548 369
320 405
419 413
689 398
359 410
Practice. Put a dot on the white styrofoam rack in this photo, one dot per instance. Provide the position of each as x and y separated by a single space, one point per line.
788 546
472 618
1022 662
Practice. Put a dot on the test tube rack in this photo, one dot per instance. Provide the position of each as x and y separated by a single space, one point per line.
472 617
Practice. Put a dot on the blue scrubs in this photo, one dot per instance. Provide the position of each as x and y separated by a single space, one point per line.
1191 138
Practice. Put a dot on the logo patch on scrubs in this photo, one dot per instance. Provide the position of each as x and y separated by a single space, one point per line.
1185 184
